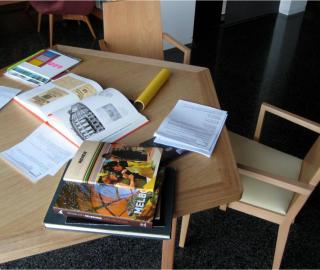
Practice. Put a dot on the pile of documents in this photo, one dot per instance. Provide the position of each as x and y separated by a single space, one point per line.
192 127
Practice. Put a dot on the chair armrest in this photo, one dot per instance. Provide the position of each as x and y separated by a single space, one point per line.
180 46
282 182
265 107
103 45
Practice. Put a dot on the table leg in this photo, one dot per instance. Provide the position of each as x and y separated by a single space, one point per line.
168 248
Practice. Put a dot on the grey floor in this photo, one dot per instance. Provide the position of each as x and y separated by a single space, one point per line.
251 66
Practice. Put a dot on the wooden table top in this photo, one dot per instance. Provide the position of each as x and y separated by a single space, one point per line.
202 182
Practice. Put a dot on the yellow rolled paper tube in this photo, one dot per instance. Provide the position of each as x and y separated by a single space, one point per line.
152 89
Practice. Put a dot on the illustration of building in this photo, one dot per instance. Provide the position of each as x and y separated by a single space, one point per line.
84 122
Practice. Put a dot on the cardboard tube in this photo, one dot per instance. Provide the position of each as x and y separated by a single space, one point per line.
152 89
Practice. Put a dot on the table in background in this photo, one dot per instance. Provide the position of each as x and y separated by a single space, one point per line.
202 182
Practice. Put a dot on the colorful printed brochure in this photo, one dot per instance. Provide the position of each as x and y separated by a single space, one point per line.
41 67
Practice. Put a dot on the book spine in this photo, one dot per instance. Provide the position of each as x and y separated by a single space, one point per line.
93 216
92 162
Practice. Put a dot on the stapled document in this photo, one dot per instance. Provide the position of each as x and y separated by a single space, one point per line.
192 127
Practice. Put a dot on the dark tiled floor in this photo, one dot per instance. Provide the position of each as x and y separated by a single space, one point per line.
273 59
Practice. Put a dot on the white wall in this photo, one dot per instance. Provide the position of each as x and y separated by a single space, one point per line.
177 20
290 7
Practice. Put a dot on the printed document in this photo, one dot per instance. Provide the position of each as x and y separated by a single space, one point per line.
42 153
192 127
6 94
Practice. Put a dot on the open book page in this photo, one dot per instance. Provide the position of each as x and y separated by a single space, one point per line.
42 153
192 127
57 94
6 94
107 116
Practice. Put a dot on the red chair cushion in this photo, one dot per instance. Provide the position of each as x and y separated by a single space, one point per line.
63 7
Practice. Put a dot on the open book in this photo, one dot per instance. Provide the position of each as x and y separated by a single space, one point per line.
79 109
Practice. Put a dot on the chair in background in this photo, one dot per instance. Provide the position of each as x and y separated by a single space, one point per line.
69 10
275 185
135 28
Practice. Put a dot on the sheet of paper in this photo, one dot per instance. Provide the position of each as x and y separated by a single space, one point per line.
6 94
42 153
191 126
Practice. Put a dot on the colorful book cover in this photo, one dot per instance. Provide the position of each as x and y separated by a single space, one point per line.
132 167
41 67
109 203
161 228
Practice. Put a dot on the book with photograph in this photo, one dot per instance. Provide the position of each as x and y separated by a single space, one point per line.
161 227
80 109
41 67
132 167
109 203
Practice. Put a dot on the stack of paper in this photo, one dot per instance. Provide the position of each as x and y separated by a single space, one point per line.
192 126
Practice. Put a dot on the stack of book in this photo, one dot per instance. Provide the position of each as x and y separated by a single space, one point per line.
115 189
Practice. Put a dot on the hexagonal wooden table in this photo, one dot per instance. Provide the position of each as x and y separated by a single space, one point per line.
202 182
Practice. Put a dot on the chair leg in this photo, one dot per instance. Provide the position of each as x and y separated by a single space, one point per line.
184 230
223 207
39 22
87 21
103 45
282 237
50 29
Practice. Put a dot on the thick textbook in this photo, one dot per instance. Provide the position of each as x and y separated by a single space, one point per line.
161 229
79 109
118 165
109 203
41 67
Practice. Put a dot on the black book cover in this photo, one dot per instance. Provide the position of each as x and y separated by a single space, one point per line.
169 153
161 228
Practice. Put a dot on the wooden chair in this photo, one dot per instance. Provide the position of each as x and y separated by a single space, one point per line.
69 10
275 185
135 28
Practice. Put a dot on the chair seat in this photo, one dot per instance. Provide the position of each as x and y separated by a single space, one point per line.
251 153
63 7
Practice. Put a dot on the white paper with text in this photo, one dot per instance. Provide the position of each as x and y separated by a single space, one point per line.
6 94
192 127
42 153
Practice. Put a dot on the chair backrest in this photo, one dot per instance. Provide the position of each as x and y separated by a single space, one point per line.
134 28
310 170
